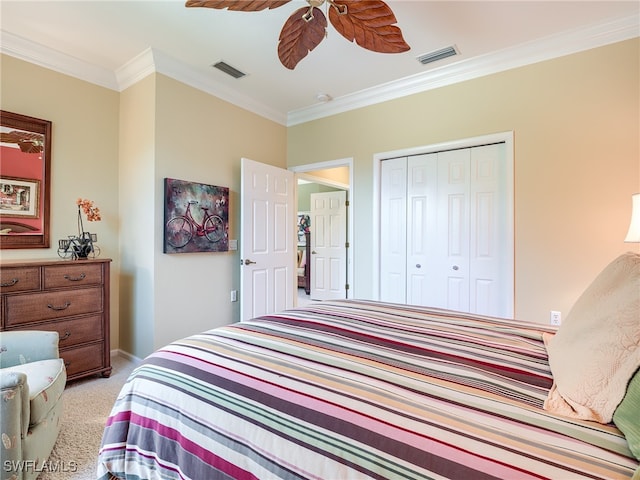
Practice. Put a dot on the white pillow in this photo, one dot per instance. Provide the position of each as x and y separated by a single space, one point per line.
596 350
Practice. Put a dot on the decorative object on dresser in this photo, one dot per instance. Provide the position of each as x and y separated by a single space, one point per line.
82 246
69 297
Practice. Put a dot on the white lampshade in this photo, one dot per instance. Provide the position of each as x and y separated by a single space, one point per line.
633 235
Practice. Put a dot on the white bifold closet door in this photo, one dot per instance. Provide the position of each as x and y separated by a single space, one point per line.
446 231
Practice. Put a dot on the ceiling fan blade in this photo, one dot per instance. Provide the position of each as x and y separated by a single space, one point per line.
27 142
239 5
300 34
370 23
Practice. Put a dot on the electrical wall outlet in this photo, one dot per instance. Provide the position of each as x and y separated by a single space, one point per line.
555 318
234 295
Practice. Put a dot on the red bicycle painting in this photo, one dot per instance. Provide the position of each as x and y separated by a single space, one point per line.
196 217
181 229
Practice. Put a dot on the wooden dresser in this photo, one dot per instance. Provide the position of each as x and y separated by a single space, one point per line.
67 296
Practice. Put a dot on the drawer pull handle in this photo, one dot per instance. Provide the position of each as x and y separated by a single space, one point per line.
75 279
67 334
63 307
67 364
10 283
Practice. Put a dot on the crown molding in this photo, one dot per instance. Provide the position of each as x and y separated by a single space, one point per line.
202 81
555 46
153 61
139 67
43 56
147 62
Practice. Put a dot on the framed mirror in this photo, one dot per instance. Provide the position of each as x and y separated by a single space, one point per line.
25 150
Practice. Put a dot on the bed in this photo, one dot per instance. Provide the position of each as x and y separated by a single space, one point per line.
360 389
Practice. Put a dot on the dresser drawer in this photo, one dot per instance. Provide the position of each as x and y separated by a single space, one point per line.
56 276
19 279
70 297
76 331
40 306
82 359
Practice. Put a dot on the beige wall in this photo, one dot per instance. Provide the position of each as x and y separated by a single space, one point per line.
84 160
576 165
116 149
170 130
137 216
336 174
576 127
202 139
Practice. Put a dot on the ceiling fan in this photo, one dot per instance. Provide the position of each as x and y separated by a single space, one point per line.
370 23
28 142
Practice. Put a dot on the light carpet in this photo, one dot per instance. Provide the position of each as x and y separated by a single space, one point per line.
87 404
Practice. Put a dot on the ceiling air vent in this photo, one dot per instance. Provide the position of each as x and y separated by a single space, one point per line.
438 55
228 69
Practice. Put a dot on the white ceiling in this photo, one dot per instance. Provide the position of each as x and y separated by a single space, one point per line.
116 43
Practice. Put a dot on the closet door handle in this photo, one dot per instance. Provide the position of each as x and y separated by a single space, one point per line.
418 265
455 267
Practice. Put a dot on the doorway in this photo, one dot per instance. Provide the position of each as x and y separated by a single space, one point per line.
331 175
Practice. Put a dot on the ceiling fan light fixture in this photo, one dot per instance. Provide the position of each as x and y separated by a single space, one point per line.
228 69
437 55
371 24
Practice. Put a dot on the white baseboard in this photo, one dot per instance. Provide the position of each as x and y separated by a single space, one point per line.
127 355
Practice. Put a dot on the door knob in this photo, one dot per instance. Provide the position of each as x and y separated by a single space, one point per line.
455 267
248 262
313 252
418 265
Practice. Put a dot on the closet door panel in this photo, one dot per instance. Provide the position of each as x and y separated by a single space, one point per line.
490 282
453 229
393 231
422 228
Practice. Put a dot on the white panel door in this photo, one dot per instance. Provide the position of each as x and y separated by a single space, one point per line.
266 239
328 245
393 230
451 277
422 211
491 237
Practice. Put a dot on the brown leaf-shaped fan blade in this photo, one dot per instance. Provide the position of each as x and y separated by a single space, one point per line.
370 23
239 5
27 142
299 36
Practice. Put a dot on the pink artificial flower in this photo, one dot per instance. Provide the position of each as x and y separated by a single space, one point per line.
90 210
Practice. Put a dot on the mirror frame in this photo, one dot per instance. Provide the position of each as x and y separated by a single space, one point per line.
36 125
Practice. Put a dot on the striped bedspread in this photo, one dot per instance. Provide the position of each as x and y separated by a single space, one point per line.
353 390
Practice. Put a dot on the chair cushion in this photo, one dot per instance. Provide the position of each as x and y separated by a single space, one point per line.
46 379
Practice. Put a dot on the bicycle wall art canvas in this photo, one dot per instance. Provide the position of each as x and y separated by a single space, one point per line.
196 217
